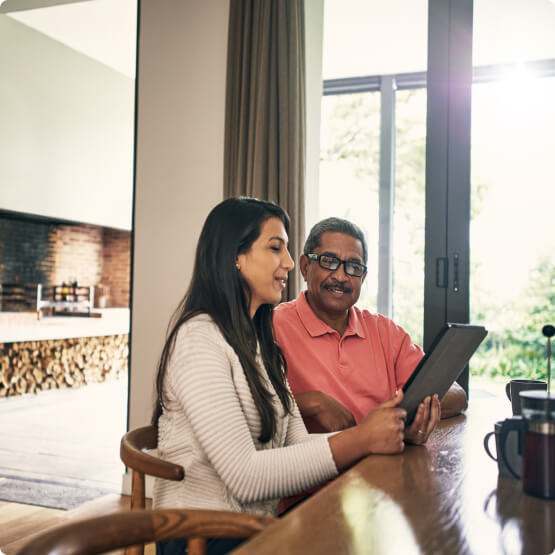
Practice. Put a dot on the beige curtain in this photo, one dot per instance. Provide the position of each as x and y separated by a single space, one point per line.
265 110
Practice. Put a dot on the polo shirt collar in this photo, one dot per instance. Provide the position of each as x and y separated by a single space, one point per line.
316 327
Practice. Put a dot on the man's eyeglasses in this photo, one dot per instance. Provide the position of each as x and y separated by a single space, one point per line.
328 262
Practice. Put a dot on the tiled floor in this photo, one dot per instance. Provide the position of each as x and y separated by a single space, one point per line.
68 435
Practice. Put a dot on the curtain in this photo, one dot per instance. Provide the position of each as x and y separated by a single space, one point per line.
265 111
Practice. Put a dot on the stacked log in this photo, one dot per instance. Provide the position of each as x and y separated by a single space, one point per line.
34 366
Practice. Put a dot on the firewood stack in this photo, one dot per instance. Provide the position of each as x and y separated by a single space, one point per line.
33 366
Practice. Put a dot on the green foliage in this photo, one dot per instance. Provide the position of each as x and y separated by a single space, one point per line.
519 350
479 193
355 128
409 214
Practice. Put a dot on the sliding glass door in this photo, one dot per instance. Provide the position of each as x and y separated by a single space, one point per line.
409 212
512 243
372 154
456 197
349 170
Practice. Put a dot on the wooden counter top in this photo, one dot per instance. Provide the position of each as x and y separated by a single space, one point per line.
16 327
444 498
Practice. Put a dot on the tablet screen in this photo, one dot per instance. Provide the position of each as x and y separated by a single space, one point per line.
442 364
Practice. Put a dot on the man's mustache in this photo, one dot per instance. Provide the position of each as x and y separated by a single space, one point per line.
338 286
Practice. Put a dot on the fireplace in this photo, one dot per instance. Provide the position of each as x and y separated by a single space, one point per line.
37 251
78 267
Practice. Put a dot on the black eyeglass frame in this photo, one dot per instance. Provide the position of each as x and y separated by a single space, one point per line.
318 257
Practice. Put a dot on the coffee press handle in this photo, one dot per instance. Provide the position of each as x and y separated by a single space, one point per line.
486 445
516 423
508 390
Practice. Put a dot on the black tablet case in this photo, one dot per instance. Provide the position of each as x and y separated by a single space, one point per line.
442 365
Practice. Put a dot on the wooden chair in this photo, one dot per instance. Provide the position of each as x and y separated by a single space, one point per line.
129 528
132 452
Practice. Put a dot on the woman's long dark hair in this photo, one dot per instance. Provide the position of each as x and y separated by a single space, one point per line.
218 289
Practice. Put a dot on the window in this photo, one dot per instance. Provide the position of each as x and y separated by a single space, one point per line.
511 200
512 279
349 171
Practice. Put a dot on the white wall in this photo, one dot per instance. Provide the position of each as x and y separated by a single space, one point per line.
66 132
179 174
314 31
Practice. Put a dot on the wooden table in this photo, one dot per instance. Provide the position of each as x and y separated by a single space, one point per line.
444 498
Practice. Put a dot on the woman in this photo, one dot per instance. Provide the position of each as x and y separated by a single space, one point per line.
224 411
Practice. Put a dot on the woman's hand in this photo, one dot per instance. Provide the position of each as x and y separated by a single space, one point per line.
328 412
380 432
426 419
383 427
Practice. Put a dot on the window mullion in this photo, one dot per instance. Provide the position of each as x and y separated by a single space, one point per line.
386 196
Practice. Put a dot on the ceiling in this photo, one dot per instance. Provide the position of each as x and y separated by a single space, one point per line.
104 30
19 5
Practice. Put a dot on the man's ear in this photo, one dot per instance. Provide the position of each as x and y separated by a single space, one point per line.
303 265
363 277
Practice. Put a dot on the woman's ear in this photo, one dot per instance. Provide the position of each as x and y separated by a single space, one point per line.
239 259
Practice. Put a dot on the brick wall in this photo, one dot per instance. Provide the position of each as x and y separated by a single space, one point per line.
26 251
116 269
78 253
36 251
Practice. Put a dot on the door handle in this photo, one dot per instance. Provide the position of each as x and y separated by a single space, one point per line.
442 271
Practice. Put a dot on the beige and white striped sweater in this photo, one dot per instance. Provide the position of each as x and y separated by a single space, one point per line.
211 428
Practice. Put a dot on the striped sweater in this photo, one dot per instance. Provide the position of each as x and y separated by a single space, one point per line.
211 426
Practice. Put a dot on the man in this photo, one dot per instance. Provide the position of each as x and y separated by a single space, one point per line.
342 361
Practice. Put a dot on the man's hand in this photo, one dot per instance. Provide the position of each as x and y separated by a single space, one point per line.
328 412
454 401
426 419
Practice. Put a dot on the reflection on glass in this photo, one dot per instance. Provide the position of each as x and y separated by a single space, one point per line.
377 523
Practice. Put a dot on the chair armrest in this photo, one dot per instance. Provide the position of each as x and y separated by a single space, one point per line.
133 456
127 528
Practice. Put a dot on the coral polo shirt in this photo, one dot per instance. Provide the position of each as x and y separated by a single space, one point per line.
360 369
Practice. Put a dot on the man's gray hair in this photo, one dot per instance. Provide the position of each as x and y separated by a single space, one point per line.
335 225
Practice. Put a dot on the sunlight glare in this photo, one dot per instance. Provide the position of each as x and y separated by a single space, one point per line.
518 87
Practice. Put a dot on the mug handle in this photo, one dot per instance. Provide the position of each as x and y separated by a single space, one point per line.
486 445
508 390
510 424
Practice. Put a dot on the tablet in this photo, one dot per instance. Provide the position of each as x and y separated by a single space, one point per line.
442 364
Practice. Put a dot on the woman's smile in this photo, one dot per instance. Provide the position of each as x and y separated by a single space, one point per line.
266 264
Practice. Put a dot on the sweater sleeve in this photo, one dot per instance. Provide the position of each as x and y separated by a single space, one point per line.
296 430
201 379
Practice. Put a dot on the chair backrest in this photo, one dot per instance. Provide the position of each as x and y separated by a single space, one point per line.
128 528
132 452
